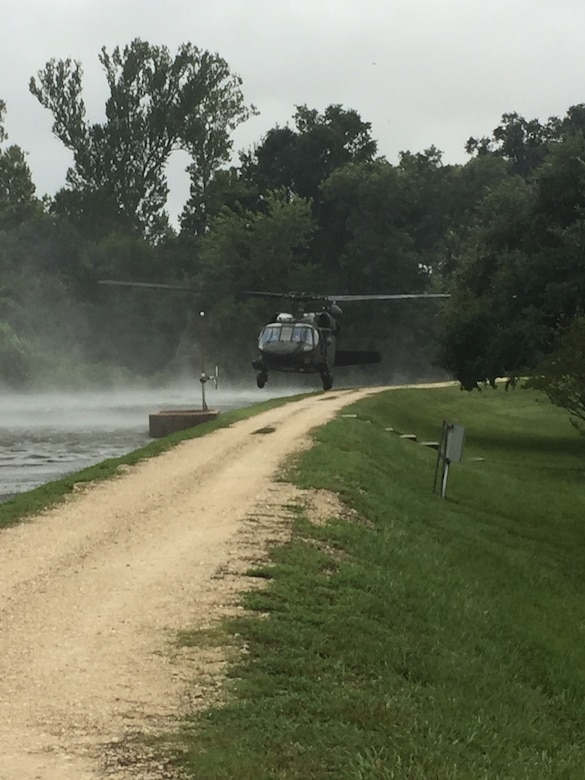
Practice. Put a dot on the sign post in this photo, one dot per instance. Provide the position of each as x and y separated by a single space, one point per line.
450 450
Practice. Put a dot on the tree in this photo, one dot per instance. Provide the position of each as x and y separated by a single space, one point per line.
157 104
525 144
206 139
17 191
522 142
301 159
257 250
491 325
462 190
369 245
372 239
561 186
252 250
3 135
427 203
15 358
522 271
225 188
561 376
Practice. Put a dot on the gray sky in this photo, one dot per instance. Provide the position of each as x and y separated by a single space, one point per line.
421 72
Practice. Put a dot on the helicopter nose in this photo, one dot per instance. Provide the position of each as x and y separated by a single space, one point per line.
286 357
282 347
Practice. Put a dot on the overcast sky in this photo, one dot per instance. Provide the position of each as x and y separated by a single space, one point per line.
421 72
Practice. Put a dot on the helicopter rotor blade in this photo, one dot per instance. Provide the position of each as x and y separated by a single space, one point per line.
154 285
382 297
317 297
300 297
262 294
290 296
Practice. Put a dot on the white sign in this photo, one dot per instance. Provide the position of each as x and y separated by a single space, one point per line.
455 437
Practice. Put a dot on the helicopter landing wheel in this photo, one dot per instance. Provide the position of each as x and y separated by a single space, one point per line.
327 380
261 379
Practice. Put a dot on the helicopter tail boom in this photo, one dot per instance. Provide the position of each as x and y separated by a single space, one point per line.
354 357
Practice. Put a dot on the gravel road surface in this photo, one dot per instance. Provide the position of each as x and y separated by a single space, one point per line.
94 591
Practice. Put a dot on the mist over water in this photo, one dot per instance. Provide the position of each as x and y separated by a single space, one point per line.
44 436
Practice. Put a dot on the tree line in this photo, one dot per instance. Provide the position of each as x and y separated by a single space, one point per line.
312 206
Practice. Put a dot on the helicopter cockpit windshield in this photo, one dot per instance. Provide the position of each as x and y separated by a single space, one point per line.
305 336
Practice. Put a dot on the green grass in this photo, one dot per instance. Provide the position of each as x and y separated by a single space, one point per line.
438 638
31 502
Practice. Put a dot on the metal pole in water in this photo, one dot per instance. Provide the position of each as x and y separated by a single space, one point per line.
203 377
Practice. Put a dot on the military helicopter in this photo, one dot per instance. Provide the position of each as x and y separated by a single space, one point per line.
306 341
302 341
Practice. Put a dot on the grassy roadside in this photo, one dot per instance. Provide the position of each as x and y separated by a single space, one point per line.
434 638
26 504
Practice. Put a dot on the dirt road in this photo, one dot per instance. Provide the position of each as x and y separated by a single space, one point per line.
93 593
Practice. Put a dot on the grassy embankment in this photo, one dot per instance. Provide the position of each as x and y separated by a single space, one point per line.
433 638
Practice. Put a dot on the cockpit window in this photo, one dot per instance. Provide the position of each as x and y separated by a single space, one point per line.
304 334
299 334
269 333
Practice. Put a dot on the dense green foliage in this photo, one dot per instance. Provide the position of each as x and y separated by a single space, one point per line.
311 206
561 375
419 637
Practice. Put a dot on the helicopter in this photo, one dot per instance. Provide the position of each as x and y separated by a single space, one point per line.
304 341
